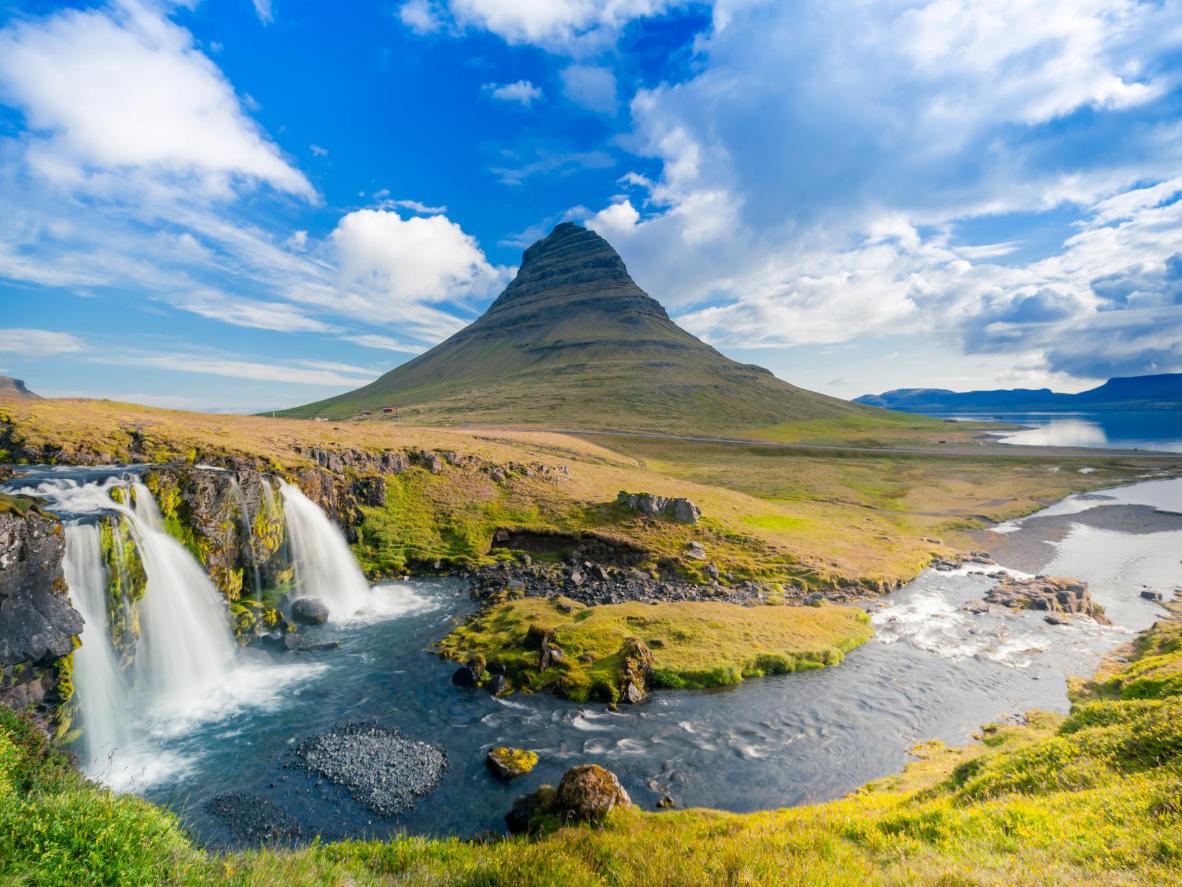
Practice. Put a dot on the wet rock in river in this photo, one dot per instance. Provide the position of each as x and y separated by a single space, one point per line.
1054 594
510 763
309 611
381 769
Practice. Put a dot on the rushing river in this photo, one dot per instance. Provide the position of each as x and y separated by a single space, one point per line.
933 671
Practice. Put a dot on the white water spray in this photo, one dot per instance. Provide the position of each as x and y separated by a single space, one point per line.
99 686
324 566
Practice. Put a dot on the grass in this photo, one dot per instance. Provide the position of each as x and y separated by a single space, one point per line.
694 644
811 517
1091 798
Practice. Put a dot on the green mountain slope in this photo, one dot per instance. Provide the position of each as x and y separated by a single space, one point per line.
574 342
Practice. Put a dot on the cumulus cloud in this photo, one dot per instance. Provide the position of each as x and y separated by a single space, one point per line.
523 92
820 174
122 90
564 25
418 259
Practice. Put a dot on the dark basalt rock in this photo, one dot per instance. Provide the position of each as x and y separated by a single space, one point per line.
37 624
309 611
383 770
1057 595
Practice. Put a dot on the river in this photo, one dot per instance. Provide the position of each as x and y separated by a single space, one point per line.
933 671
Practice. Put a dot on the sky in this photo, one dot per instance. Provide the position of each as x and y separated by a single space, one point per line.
249 204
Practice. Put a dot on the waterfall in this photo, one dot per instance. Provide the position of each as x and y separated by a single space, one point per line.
324 566
99 687
186 644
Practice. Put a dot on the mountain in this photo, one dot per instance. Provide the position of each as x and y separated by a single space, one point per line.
12 389
573 342
1162 391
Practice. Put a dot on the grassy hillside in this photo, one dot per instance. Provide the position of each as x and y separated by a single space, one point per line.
574 343
1092 798
817 517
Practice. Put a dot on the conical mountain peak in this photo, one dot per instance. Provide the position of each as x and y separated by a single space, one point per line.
574 342
569 256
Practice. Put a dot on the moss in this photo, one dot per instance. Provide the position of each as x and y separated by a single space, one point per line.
693 644
126 583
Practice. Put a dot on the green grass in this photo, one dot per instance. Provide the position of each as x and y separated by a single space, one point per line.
694 644
1092 798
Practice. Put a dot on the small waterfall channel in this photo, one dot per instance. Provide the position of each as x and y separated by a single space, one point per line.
324 566
157 657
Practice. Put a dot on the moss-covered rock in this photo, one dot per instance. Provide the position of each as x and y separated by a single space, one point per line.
510 763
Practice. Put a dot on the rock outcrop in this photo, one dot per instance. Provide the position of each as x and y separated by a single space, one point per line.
14 389
38 627
1053 594
681 510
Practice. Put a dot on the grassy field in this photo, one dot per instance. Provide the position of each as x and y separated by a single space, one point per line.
694 644
1092 798
814 517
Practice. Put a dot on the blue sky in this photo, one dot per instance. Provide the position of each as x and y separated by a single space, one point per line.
243 204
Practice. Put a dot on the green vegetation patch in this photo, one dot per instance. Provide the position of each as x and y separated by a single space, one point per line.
694 644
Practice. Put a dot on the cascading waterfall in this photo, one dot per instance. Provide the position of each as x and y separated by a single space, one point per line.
99 686
324 566
186 643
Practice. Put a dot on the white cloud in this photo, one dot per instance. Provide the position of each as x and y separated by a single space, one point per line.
590 86
122 90
564 25
264 10
38 343
277 316
318 151
300 373
421 16
419 259
523 92
816 174
382 343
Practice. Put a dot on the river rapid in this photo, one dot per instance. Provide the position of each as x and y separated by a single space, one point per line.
932 671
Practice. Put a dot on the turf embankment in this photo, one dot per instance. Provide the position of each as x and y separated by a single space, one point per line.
1092 798
694 644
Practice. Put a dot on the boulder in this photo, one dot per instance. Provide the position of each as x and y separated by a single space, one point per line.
587 793
37 623
681 510
695 550
464 676
510 763
309 611
498 685
1053 594
636 670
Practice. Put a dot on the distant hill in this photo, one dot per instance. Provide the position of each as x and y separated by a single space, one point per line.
573 342
11 389
1131 392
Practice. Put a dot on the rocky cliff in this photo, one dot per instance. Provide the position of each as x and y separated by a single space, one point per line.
38 627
